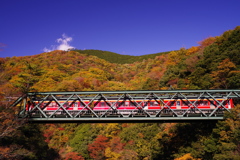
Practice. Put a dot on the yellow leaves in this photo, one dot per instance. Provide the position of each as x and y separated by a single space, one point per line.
156 73
168 127
192 50
112 129
68 149
111 155
112 86
173 58
55 74
69 85
143 147
45 85
94 73
225 136
187 157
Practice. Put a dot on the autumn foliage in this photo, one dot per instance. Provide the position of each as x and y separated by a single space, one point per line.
214 64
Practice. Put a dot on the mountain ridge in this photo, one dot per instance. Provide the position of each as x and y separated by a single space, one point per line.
113 57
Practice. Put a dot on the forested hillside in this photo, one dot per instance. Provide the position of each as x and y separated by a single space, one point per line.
118 58
214 64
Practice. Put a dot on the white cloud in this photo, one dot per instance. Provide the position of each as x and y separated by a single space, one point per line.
46 50
63 44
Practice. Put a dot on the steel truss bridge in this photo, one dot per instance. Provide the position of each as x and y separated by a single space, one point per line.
41 100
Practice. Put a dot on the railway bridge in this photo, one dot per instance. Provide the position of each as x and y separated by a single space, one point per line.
126 106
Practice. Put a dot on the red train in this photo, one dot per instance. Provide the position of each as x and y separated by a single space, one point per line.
121 105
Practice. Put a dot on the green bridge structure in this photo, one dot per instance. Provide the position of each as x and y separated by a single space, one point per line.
126 106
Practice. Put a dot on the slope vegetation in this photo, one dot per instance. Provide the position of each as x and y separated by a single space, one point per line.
214 64
118 58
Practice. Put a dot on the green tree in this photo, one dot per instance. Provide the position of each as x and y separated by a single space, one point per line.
82 137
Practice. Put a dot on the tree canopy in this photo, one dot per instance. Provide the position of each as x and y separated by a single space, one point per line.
214 64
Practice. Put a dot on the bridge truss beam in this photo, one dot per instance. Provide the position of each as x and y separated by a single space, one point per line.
40 101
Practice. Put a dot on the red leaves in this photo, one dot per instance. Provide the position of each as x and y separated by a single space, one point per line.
61 129
206 42
73 156
97 148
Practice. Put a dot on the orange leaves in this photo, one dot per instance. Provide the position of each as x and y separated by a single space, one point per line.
115 149
206 42
2 61
4 152
13 152
192 50
73 156
105 148
187 157
226 65
97 148
48 133
220 76
156 73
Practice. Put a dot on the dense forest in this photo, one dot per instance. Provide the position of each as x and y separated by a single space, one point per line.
214 64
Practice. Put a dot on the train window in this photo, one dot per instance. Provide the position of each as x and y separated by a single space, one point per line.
118 104
75 104
205 103
151 103
107 104
133 103
178 103
65 104
122 104
102 104
127 103
171 103
81 104
226 102
211 103
200 103
185 103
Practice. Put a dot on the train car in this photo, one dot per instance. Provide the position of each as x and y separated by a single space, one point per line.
192 103
96 105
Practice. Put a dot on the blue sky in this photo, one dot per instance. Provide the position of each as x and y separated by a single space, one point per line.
131 27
